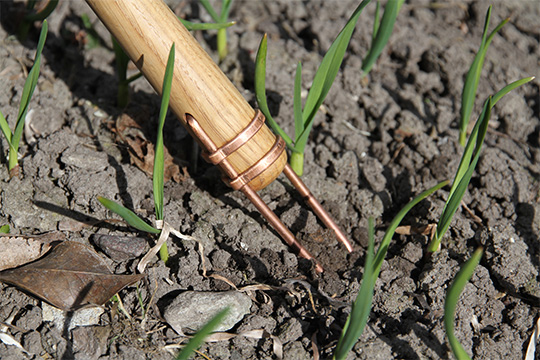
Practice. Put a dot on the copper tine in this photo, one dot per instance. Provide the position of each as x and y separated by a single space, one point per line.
241 181
316 206
276 223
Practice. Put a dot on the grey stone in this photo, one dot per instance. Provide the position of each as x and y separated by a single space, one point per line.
84 158
191 310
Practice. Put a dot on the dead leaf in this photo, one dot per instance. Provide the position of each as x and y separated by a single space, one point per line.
421 230
70 276
141 151
17 250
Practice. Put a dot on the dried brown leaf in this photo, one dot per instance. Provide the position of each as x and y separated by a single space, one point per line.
70 276
17 250
420 230
141 151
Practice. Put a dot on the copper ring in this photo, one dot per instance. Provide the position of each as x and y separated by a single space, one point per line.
256 169
231 146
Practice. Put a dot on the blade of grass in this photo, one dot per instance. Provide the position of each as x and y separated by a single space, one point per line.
158 172
462 179
191 26
208 7
221 39
28 91
129 216
225 9
93 38
376 21
468 163
452 297
260 90
383 33
297 158
4 126
43 13
505 90
473 77
31 17
325 76
383 247
297 100
198 339
359 313
361 308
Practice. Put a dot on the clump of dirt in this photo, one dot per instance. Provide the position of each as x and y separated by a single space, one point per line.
377 142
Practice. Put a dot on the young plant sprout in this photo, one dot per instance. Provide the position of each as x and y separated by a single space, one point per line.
468 163
34 14
122 61
381 32
220 19
158 174
354 326
473 77
199 337
322 82
452 297
14 138
93 40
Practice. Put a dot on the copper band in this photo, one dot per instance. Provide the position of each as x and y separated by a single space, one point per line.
256 169
217 156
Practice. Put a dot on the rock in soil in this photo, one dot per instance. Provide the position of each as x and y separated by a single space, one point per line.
191 310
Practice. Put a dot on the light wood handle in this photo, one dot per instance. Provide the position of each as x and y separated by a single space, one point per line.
146 29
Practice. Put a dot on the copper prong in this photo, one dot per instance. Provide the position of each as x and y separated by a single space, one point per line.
276 223
316 206
243 180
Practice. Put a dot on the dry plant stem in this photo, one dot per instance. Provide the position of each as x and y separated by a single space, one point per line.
316 206
146 29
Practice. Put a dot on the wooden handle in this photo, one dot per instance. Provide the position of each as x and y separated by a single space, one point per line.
146 29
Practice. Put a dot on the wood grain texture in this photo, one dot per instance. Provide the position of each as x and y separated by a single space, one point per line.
146 29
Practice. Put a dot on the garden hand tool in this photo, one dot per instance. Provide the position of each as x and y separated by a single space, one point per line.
231 133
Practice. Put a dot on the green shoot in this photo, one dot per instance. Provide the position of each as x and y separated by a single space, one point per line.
122 61
357 319
381 32
322 82
198 339
383 247
158 174
452 297
468 163
220 19
14 138
34 15
4 229
191 26
129 216
473 77
92 37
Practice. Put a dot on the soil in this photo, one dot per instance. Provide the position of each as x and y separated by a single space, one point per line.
377 143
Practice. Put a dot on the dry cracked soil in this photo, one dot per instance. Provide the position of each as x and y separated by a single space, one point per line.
376 143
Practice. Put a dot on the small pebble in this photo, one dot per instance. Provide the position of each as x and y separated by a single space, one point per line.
121 248
191 310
